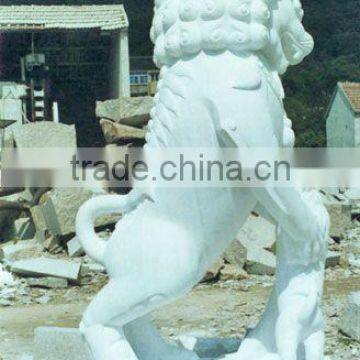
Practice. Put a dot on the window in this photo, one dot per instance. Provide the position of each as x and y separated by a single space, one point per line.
144 79
139 79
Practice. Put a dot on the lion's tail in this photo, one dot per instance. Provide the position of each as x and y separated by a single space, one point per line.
85 219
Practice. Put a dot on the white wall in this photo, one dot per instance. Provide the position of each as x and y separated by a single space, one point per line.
340 124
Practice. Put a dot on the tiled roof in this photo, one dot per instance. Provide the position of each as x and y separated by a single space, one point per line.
51 17
352 92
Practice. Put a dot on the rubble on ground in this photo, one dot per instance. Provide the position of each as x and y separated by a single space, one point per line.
42 245
340 208
350 320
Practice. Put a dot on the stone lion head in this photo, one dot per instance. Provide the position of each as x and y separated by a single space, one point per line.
289 42
272 28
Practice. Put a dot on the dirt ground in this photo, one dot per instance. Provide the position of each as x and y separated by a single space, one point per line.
220 309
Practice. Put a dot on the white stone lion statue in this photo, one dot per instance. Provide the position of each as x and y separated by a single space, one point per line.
219 87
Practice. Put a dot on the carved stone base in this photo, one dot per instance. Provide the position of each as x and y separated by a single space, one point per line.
52 343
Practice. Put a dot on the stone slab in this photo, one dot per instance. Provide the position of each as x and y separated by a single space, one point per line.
115 133
257 231
133 111
260 261
74 247
236 254
210 348
62 207
24 229
52 343
340 219
10 249
21 229
44 267
47 282
38 218
350 320
45 134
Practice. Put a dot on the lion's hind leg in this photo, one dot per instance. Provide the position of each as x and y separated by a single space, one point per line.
149 345
119 302
122 301
146 286
314 346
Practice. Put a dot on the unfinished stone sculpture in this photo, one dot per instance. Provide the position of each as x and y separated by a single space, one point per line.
220 63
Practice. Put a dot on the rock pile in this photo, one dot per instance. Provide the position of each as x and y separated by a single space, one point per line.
124 120
40 248
350 320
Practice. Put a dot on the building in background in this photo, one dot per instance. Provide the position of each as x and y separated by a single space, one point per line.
343 116
68 55
144 76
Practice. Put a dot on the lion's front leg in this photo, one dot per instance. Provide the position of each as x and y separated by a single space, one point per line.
295 213
149 344
293 317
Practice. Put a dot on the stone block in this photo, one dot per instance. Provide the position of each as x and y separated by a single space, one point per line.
213 272
45 134
332 259
260 261
44 267
354 260
210 348
236 254
92 268
74 247
133 111
52 343
62 207
340 218
51 244
258 232
233 272
10 249
48 282
37 214
350 320
24 229
21 229
115 133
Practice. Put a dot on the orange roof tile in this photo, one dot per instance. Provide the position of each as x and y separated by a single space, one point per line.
352 92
